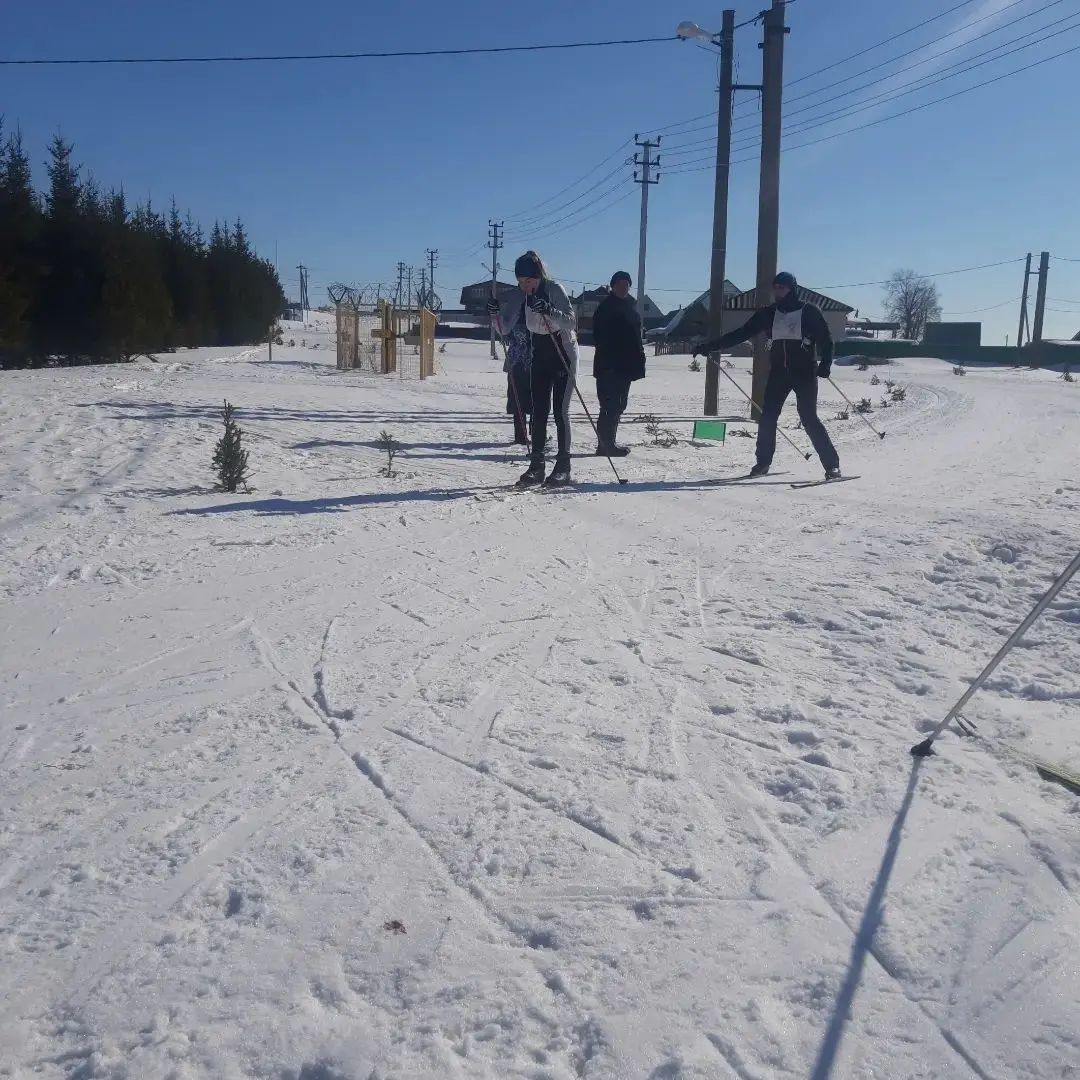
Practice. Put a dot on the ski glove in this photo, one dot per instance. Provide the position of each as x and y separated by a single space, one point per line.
492 306
824 370
539 305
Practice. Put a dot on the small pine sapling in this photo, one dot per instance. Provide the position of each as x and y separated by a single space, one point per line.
741 433
389 446
1067 375
695 364
959 370
230 457
885 403
889 384
843 414
865 406
874 380
864 366
897 393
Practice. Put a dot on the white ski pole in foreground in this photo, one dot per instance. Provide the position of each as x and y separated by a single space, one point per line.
926 747
862 416
794 447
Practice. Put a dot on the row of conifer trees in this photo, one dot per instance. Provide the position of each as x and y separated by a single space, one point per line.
84 278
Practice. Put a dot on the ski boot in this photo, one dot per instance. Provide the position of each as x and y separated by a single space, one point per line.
613 451
532 476
759 470
559 476
833 473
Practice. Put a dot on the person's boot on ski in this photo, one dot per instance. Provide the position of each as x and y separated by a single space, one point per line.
619 360
543 309
801 353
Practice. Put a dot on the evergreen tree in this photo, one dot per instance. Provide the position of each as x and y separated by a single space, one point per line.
137 311
230 458
20 264
64 313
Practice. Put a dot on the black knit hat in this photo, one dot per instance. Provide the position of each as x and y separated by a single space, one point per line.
529 265
786 279
621 275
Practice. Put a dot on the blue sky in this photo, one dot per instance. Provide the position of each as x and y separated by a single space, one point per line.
350 166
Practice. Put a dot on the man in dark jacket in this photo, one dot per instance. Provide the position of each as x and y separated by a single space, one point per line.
618 361
796 330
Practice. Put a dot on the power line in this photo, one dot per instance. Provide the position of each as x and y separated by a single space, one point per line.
532 221
813 122
390 55
569 187
556 227
991 307
893 116
886 63
941 273
884 42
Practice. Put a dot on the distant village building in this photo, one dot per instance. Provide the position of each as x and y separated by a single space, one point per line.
474 298
691 323
586 304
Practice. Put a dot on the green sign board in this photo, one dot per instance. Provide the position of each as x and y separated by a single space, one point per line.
710 429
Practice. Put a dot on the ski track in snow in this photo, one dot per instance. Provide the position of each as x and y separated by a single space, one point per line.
356 777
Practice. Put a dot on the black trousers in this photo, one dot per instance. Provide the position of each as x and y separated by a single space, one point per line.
552 389
801 378
613 392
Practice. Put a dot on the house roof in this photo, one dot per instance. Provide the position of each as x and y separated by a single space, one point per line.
747 301
487 285
701 303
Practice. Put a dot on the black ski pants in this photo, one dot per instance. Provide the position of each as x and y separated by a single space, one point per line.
552 389
613 392
802 378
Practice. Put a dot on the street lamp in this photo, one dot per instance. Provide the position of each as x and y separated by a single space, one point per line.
689 30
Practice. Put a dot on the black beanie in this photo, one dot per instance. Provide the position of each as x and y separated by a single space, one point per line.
784 278
528 265
621 275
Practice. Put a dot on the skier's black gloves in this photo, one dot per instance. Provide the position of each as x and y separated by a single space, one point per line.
492 306
539 305
824 370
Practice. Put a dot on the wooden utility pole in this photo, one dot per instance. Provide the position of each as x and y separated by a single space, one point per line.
1040 297
495 242
718 272
772 97
303 292
1023 304
433 261
646 181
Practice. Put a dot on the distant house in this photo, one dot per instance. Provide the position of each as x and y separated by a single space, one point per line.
870 330
586 304
692 322
474 298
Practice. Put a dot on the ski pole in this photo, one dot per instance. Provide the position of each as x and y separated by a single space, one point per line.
497 322
926 747
862 416
570 375
794 446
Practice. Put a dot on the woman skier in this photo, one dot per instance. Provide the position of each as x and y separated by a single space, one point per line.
544 310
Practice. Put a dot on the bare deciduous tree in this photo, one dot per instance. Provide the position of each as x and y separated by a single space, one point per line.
912 300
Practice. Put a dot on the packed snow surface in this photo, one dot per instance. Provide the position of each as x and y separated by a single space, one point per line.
356 777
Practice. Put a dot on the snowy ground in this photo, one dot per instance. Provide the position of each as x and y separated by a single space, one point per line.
354 777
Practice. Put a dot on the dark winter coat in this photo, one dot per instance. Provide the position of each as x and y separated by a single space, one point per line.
795 330
617 337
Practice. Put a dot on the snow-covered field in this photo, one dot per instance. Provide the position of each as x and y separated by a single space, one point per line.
360 778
